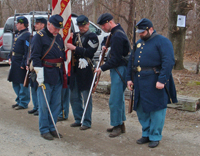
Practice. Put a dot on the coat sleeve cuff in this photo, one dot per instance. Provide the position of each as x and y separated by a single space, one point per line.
162 79
103 68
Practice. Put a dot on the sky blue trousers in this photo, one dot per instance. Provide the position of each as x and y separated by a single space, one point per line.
152 123
77 105
53 94
34 98
23 94
116 101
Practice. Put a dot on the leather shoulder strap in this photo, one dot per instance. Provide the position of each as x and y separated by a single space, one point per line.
22 34
52 43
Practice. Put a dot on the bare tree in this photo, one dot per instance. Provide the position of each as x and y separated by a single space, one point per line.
162 13
177 34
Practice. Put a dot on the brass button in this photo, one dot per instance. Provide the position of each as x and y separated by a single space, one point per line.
138 75
139 56
143 43
140 52
141 47
138 60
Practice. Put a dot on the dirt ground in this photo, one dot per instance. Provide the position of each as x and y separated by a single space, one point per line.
20 135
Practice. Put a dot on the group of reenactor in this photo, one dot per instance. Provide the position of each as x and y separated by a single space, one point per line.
148 72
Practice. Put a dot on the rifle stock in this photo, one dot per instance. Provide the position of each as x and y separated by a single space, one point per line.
130 108
26 79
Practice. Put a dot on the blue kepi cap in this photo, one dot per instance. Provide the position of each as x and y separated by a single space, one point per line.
57 21
40 20
22 19
104 18
82 20
143 24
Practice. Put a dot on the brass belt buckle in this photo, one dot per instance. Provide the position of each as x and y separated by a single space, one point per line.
58 65
139 68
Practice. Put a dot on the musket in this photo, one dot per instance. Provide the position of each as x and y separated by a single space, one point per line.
13 33
48 11
14 26
101 59
45 97
130 108
26 79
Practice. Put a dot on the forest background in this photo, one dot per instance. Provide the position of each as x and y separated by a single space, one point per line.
163 14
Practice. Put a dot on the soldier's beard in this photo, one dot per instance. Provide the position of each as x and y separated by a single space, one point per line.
146 37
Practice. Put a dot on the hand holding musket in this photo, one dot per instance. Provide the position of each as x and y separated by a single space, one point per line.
101 60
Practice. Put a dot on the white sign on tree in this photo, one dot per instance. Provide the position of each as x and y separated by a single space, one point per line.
181 21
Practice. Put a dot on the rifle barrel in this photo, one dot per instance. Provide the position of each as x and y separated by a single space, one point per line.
134 48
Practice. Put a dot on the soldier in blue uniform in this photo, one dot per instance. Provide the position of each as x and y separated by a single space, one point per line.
81 77
153 82
116 64
40 23
18 66
48 58
65 96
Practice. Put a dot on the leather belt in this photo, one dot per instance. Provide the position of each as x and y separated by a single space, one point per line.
139 69
53 64
16 54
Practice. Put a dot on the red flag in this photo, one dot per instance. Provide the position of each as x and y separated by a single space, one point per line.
63 8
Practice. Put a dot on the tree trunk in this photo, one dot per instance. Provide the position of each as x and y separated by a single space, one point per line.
95 11
130 20
177 34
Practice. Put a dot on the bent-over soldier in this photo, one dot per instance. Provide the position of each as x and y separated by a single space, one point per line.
119 45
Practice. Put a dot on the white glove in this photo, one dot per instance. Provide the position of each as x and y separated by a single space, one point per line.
40 75
82 63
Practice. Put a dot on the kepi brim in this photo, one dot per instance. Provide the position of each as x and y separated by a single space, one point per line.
140 30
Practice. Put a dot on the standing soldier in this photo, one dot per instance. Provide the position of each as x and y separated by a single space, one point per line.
18 65
85 44
48 58
40 24
65 96
119 47
152 80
